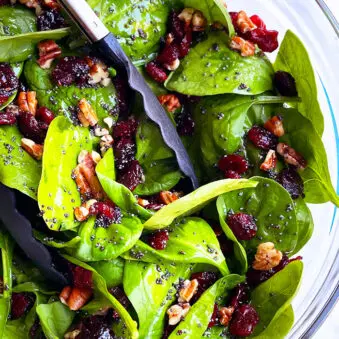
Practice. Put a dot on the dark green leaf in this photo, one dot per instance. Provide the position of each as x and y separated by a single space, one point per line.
111 270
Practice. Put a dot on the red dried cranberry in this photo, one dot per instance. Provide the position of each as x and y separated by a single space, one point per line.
7 118
232 175
266 40
9 83
71 70
133 176
234 17
154 207
50 19
123 94
262 138
168 330
106 210
258 21
285 84
4 2
290 179
20 304
125 129
156 72
226 245
158 240
96 326
240 295
244 320
185 124
120 295
82 278
242 225
44 114
30 127
124 151
176 26
185 45
233 162
214 318
168 55
205 280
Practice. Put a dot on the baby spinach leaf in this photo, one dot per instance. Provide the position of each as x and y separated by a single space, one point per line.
106 243
193 202
111 270
191 240
150 289
272 207
55 319
294 59
118 193
18 169
58 194
56 243
273 297
211 68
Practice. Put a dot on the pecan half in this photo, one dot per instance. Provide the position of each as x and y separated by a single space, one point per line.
244 23
267 257
291 156
170 101
27 102
33 149
190 288
270 161
86 115
48 51
168 197
275 126
245 47
75 297
81 182
83 212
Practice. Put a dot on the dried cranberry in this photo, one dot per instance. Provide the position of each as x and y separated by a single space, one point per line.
176 26
290 179
154 207
82 278
285 84
96 326
124 151
185 124
258 21
242 225
234 17
125 129
106 212
240 295
120 295
233 162
71 70
123 94
30 127
133 176
232 175
50 19
4 2
20 304
244 320
226 245
44 114
168 330
9 83
185 45
205 280
266 40
7 118
158 240
156 72
168 55
214 317
262 138
36 330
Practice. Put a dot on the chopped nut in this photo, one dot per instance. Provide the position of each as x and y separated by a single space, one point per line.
270 161
53 4
170 101
168 197
244 23
75 297
27 102
199 22
109 122
245 47
87 116
173 66
143 202
96 157
98 73
189 289
100 132
106 82
106 143
82 156
275 126
65 293
72 335
81 182
291 156
33 149
187 15
267 257
169 38
225 315
48 51
83 212
30 3
176 313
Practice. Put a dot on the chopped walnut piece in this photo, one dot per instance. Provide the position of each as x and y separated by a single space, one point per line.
48 51
186 15
33 149
267 257
244 23
100 132
225 315
275 126
143 202
177 312
291 156
98 72
188 290
245 47
168 197
72 335
27 102
106 143
75 297
199 22
82 213
173 66
109 122
270 161
170 101
86 115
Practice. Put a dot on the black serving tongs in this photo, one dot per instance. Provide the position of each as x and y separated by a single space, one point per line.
108 46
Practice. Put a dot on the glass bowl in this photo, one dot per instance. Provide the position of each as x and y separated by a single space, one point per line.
318 29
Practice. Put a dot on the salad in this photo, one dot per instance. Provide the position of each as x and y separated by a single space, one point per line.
143 254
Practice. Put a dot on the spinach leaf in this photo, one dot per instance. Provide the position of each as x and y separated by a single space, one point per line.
106 243
272 207
55 319
111 270
193 202
293 58
191 240
56 243
118 193
58 194
17 168
150 289
210 70
273 297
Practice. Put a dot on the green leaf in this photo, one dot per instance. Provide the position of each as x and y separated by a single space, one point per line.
106 243
273 297
210 71
58 194
193 202
55 319
17 168
56 243
118 193
150 289
111 270
191 240
294 59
